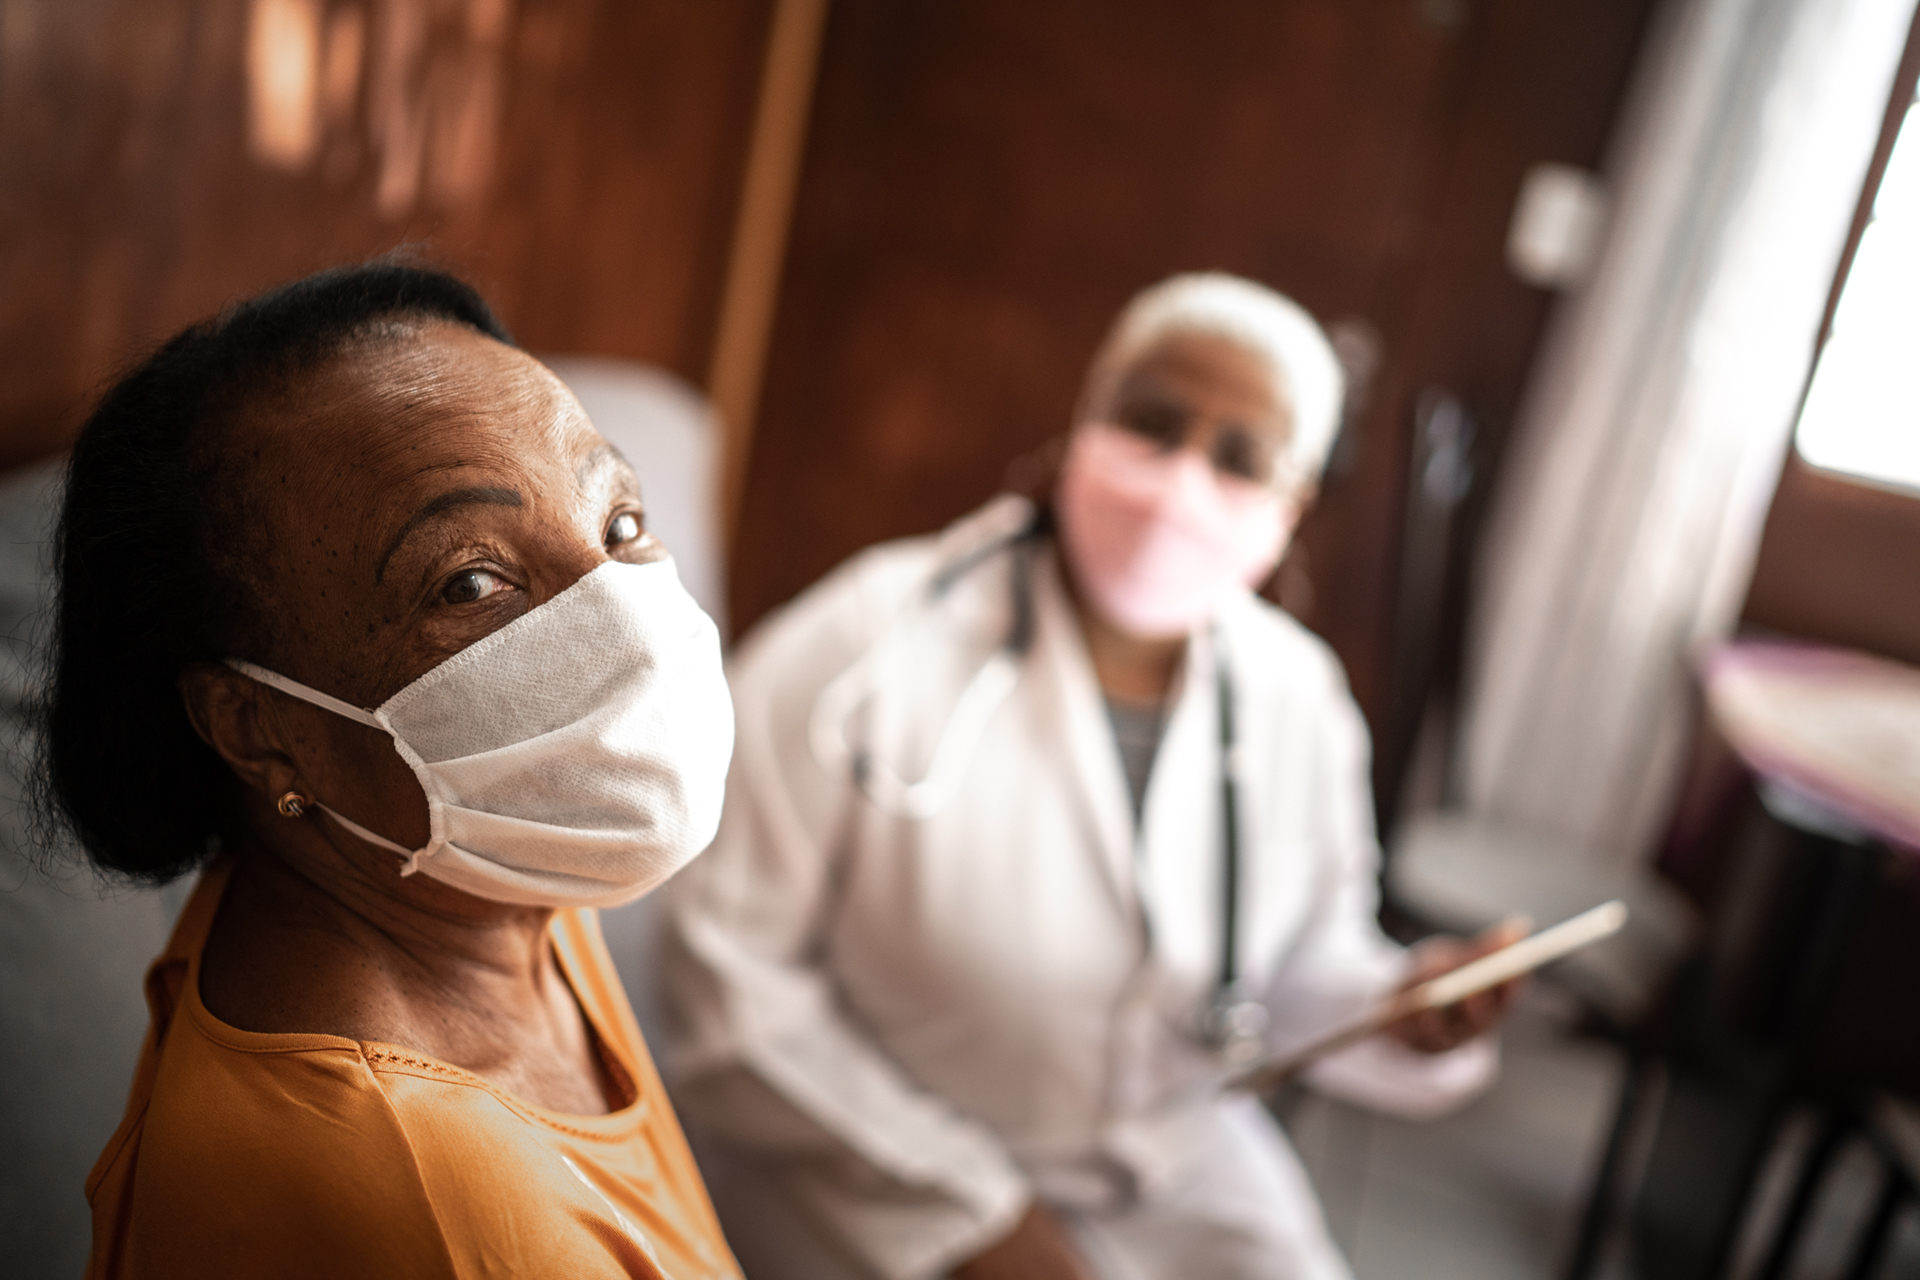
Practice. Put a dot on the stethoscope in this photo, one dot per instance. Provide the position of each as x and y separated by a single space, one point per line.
1233 1023
990 686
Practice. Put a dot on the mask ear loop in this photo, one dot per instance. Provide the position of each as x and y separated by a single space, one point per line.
412 856
374 719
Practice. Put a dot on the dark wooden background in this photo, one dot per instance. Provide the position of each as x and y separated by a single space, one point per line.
597 216
986 181
1840 562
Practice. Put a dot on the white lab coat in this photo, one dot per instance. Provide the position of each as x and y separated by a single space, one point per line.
891 1035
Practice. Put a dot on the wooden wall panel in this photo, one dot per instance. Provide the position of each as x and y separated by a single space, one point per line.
1840 563
988 180
579 160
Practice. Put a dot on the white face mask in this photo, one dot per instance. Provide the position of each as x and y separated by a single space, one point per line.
574 758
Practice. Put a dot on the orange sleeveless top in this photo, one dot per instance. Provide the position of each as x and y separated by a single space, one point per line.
313 1155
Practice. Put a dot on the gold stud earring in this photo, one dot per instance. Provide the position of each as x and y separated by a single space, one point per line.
292 804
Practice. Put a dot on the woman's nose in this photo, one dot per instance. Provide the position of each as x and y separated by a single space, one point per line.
1230 448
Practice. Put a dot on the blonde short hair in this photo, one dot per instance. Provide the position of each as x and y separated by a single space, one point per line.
1269 324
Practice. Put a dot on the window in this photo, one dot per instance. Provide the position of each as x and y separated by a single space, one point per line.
1862 412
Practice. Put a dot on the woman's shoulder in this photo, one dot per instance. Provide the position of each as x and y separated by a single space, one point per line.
844 612
1276 653
254 1159
318 1158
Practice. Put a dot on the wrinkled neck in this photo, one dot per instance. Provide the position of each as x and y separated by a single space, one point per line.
301 947
311 876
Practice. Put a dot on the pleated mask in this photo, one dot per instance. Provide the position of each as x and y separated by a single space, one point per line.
1156 537
575 757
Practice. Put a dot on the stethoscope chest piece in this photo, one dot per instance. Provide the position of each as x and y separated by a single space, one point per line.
1235 1026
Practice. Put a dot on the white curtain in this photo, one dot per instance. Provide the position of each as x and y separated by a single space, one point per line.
1650 440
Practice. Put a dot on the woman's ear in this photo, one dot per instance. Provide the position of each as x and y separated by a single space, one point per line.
1297 500
233 715
1034 473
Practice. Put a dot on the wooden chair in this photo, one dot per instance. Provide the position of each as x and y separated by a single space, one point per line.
1891 1129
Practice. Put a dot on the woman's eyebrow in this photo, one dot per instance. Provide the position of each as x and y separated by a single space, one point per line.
602 458
439 505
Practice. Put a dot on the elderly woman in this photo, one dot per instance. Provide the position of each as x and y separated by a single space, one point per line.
1034 827
359 619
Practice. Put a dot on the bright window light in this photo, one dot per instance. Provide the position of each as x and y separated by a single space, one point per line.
1862 415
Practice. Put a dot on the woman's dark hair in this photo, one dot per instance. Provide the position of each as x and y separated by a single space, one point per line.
144 560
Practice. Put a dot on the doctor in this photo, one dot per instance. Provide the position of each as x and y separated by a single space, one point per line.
1032 826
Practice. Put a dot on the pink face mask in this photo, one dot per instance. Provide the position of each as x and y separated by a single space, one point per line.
1158 540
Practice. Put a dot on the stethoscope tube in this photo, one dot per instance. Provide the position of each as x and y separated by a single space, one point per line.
1235 1022
1229 836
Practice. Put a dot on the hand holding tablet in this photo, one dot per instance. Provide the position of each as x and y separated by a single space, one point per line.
1447 989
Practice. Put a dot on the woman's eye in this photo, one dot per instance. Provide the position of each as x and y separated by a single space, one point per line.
470 585
624 529
1164 424
1236 452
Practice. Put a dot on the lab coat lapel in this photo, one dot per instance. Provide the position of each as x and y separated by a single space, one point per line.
1180 829
1080 718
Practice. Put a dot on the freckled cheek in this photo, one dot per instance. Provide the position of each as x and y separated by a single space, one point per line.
361 774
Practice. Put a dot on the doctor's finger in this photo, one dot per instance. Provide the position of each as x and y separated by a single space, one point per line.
1502 934
1493 1005
1478 1013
